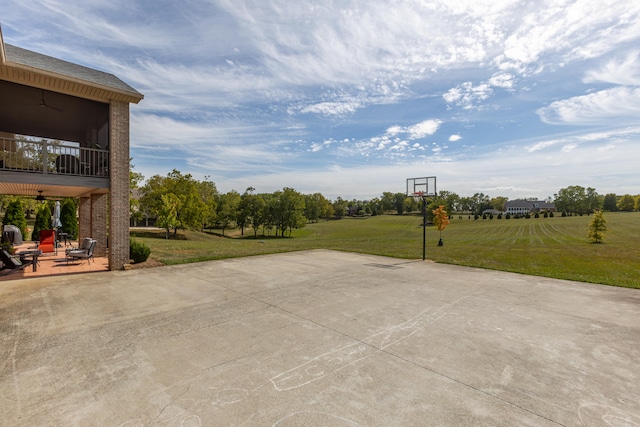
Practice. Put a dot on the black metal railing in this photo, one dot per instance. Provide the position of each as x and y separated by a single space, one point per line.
52 157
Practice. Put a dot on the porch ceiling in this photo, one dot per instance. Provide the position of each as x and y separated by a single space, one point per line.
48 190
38 112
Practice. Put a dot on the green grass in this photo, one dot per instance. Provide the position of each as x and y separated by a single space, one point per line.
551 247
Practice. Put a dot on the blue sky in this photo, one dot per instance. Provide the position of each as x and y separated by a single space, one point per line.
350 98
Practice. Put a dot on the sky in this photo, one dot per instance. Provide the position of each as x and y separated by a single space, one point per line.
350 98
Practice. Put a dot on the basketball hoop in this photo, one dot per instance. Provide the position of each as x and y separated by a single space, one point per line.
418 196
420 189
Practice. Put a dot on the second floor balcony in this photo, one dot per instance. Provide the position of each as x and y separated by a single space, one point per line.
59 168
52 157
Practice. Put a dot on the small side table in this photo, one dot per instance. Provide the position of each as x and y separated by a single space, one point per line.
64 237
34 256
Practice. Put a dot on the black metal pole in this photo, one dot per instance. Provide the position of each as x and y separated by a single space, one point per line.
424 228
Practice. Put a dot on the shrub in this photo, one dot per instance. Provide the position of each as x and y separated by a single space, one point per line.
507 216
43 221
68 218
138 252
499 216
536 215
550 214
14 215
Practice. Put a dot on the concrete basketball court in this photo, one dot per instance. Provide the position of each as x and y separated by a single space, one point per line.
317 338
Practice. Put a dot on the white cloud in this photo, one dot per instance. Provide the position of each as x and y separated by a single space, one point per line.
620 104
468 96
502 80
455 138
599 139
624 72
422 129
332 108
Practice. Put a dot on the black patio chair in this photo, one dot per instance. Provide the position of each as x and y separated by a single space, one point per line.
82 253
12 262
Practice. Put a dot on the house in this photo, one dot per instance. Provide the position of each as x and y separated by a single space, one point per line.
64 132
523 207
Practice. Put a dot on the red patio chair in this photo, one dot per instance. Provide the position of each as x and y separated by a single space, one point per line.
48 242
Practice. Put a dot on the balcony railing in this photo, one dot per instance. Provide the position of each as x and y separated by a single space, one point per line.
52 157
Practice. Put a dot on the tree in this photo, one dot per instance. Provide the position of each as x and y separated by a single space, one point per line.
399 202
479 202
251 210
227 209
69 219
135 179
315 207
626 203
597 227
190 209
339 208
208 194
288 210
450 200
578 200
440 220
610 202
570 199
499 203
14 215
167 217
43 221
387 201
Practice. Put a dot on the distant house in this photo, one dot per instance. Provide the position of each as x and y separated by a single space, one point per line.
523 207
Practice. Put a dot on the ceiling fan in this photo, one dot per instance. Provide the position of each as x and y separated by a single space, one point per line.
41 198
43 104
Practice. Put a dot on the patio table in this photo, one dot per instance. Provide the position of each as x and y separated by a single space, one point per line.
34 254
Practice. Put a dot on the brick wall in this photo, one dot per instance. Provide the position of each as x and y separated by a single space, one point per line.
119 191
99 223
84 216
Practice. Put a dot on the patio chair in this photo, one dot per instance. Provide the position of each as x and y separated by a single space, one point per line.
11 262
83 253
48 242
84 246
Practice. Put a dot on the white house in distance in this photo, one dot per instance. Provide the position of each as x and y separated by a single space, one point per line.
523 207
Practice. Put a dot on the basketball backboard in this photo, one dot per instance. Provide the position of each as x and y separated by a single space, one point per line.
421 187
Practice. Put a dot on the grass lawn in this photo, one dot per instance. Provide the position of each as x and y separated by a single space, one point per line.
552 247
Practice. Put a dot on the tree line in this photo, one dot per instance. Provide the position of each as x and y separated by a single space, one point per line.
179 201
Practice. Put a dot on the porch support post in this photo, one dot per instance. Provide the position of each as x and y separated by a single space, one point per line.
84 223
99 223
119 178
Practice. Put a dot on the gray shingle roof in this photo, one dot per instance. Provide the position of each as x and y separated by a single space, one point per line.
47 63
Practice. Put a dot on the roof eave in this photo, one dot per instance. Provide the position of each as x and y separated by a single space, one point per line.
120 95
104 92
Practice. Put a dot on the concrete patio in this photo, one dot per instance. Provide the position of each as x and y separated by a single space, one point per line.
317 338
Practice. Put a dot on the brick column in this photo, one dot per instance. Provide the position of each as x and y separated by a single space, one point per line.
119 191
84 216
99 223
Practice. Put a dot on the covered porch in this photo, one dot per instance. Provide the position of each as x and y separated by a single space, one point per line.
64 132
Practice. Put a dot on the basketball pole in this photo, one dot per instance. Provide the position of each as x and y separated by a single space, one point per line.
419 188
424 227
